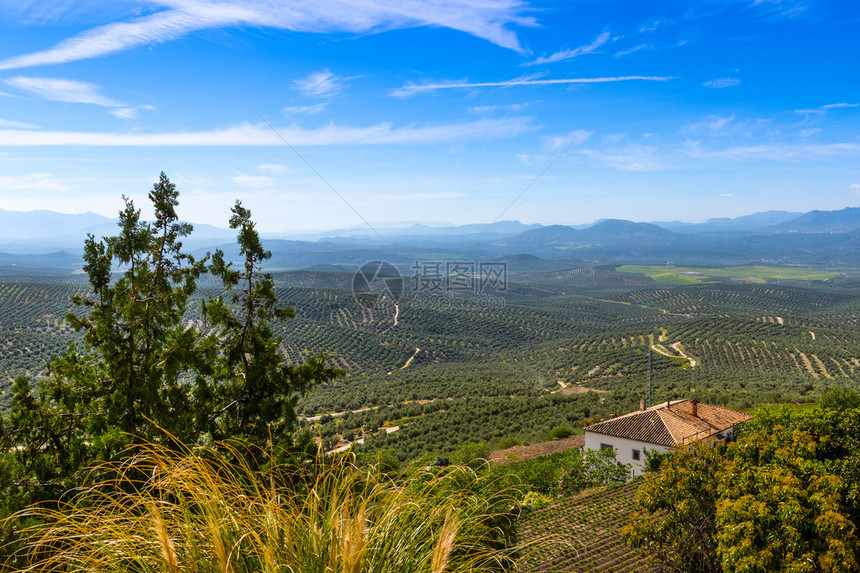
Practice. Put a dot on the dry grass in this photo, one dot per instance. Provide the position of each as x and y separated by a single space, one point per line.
168 511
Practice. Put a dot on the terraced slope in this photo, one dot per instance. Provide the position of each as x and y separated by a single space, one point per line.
582 533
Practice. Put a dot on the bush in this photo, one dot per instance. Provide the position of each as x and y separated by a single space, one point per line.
559 433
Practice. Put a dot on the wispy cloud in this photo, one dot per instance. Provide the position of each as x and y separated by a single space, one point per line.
72 91
570 54
124 112
652 25
319 84
577 137
421 196
305 109
632 50
634 157
413 89
717 126
58 89
809 132
823 109
722 83
178 18
725 195
254 181
783 8
17 124
839 105
272 167
489 109
32 182
779 152
262 135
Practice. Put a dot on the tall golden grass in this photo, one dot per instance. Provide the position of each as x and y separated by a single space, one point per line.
172 511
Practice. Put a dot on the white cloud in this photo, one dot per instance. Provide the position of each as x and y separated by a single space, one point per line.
634 157
613 138
32 182
17 124
823 109
633 49
421 196
716 126
124 112
57 89
652 25
782 8
489 109
856 187
178 18
779 152
809 132
272 168
412 89
838 105
246 134
305 109
576 137
570 54
525 158
725 195
710 126
254 182
72 91
320 84
722 83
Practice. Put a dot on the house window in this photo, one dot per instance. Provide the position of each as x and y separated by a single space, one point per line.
605 447
636 455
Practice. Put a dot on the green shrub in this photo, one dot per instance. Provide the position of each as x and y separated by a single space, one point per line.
559 433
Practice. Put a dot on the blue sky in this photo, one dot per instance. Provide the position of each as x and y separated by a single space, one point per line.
319 113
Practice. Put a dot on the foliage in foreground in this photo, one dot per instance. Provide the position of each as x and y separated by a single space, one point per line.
784 497
200 511
142 367
568 473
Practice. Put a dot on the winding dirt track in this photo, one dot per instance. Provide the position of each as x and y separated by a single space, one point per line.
411 358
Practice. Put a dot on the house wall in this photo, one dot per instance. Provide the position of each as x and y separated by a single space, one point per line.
623 449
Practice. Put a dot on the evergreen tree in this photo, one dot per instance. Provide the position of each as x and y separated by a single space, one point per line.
254 391
138 356
142 370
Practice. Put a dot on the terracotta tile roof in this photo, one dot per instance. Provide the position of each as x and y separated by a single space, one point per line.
670 424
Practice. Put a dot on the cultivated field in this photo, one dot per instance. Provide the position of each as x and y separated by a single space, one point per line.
752 274
582 533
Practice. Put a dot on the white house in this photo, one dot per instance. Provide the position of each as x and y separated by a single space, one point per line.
661 428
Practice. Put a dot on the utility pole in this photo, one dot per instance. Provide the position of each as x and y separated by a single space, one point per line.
650 385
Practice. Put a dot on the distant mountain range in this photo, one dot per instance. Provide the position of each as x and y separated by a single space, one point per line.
746 223
46 239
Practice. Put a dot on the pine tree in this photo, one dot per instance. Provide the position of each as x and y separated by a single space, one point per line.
255 389
138 356
142 371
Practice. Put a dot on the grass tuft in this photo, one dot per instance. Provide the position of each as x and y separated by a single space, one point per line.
205 511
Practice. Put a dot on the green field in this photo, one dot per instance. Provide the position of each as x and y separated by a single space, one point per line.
513 371
752 274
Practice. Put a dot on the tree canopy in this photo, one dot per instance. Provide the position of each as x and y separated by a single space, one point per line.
784 497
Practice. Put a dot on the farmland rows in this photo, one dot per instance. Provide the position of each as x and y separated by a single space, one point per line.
582 533
736 299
